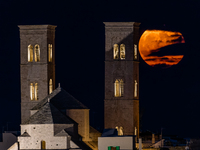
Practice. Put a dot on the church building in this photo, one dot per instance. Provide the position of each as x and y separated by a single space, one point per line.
51 118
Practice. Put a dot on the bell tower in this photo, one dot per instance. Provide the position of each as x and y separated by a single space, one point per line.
121 104
37 65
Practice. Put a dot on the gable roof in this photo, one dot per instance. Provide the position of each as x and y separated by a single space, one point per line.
25 134
48 114
61 100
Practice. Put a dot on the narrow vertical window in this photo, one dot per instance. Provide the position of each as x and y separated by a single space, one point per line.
30 53
31 91
135 51
50 52
36 91
50 86
122 51
135 90
115 51
119 88
37 53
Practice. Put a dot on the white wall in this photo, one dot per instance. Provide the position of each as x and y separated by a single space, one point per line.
38 133
125 142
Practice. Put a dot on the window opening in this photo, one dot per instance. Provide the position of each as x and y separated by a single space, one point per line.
115 51
37 53
30 53
50 52
50 86
135 90
119 88
135 51
122 51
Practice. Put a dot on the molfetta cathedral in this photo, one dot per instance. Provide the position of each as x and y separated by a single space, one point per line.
51 118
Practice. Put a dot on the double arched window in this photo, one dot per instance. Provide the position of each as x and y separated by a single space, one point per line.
119 54
36 53
119 88
34 91
119 130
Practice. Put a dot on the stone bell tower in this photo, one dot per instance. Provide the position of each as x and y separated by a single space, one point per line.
37 66
121 104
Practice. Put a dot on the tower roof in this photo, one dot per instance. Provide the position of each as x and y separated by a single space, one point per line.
61 100
48 114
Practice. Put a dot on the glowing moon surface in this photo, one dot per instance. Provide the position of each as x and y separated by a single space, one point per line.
155 47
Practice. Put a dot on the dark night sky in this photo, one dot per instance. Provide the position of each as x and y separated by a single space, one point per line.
169 98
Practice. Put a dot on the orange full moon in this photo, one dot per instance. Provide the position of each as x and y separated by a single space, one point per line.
155 47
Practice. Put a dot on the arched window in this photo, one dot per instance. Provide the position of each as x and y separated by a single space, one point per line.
30 53
31 91
43 145
135 51
50 86
37 53
50 52
36 91
119 88
135 89
115 51
122 51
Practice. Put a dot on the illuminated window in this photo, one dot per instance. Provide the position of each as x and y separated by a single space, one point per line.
122 51
50 86
30 53
50 52
119 130
135 51
135 90
36 91
37 53
115 51
43 145
31 91
135 131
119 87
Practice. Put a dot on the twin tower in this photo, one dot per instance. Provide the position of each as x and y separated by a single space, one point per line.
121 104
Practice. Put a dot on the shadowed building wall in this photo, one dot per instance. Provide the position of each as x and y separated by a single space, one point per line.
121 104
37 67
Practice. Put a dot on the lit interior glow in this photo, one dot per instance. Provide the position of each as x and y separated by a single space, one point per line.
152 41
50 86
122 51
135 51
50 52
31 91
37 53
119 88
119 130
135 89
30 53
36 91
115 51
